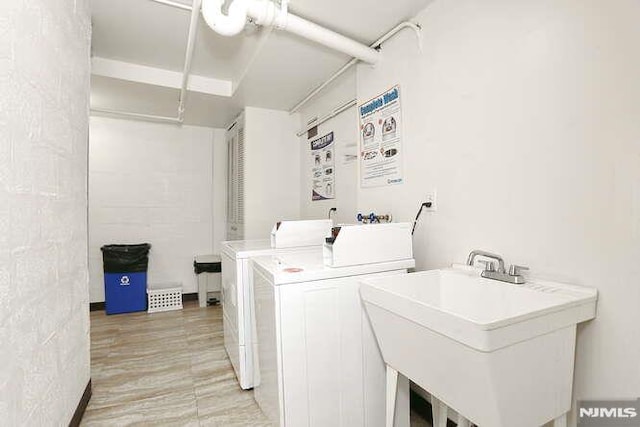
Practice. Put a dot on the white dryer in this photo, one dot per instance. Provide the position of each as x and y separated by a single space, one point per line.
237 295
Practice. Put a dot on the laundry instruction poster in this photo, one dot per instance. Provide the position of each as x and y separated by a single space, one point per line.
323 168
380 147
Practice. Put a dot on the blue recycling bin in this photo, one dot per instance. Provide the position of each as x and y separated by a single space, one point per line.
125 277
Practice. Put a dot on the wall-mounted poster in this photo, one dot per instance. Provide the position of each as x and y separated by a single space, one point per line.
380 148
323 168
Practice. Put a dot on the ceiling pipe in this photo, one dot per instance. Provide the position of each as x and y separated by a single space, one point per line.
264 37
417 29
139 116
227 25
265 12
188 57
191 43
326 83
173 4
321 35
317 122
352 62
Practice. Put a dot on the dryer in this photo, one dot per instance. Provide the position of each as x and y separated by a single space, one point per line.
237 292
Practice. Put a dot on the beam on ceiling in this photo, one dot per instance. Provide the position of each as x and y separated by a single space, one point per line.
159 77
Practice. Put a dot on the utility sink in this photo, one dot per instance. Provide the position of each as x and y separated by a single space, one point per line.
500 354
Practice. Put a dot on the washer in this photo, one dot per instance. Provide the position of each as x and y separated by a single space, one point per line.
317 361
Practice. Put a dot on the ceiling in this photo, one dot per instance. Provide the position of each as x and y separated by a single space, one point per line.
272 69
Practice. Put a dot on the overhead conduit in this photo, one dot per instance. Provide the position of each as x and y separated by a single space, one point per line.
191 41
401 26
353 102
265 12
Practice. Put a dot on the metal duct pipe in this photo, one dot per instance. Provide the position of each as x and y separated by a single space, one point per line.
265 12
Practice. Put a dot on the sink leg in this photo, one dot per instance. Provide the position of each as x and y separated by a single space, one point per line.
403 405
392 388
463 422
439 411
398 393
561 421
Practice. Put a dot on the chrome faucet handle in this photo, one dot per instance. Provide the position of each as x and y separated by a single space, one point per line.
515 270
488 265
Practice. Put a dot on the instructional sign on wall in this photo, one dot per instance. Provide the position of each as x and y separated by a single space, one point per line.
380 148
323 168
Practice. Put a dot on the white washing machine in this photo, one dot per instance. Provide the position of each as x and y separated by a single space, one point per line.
317 360
237 296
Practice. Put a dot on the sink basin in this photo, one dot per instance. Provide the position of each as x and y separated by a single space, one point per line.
498 353
481 313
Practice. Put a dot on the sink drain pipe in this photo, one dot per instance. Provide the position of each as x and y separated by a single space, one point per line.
265 12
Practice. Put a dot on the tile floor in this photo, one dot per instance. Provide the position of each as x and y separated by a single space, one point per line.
167 369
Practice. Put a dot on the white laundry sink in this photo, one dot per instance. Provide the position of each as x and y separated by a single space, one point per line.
498 353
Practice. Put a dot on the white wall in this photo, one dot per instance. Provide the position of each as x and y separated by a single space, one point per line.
151 182
344 127
44 300
272 170
219 200
524 117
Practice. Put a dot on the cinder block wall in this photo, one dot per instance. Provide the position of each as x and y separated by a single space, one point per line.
44 299
152 182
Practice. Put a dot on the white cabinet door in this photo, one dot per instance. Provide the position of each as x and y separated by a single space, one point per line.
332 370
235 180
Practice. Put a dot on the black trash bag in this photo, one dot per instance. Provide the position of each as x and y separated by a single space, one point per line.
126 258
207 267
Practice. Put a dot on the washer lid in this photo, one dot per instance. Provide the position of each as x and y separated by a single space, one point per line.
284 268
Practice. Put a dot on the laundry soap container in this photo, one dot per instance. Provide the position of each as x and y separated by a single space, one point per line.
125 277
208 269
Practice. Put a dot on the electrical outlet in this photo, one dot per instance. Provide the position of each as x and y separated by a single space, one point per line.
430 197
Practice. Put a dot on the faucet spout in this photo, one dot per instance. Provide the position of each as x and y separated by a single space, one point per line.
513 276
476 253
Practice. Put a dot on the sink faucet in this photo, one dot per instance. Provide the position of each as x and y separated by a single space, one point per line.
485 254
513 276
